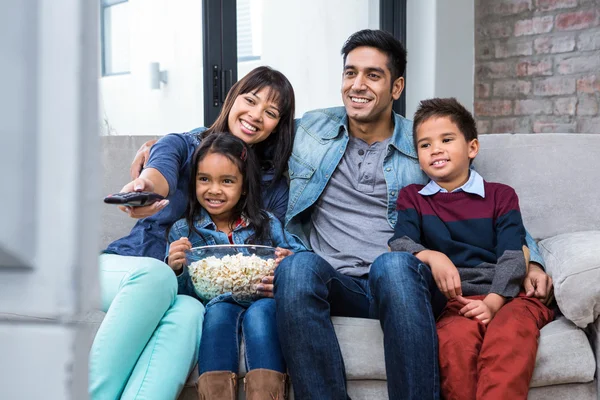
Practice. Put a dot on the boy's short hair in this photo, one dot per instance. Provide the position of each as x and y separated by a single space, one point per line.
447 107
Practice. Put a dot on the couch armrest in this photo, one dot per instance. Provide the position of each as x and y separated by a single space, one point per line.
573 262
594 332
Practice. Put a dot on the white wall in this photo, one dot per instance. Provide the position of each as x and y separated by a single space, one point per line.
51 64
301 38
168 32
441 51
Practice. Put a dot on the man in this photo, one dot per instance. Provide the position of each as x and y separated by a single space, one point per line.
347 167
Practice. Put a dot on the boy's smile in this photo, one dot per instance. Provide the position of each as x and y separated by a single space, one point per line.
444 154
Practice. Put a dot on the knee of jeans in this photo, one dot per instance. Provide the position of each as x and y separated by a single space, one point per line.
394 266
261 311
260 317
155 274
298 271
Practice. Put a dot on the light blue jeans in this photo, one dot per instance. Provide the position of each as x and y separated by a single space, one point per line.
148 342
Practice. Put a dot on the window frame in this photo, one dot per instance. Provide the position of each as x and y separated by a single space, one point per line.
104 4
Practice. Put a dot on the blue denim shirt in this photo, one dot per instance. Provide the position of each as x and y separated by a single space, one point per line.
172 156
320 142
209 235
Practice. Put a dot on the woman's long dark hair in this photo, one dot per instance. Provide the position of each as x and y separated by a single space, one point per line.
250 204
276 149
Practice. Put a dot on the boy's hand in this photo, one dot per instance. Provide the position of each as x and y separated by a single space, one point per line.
177 249
280 254
475 309
444 272
483 310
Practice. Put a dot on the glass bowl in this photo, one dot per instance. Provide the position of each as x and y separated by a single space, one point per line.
235 269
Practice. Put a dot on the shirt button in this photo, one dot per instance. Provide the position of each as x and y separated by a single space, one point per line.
388 169
361 152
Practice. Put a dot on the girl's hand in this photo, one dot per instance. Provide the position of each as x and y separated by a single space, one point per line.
142 185
280 254
177 249
476 309
265 288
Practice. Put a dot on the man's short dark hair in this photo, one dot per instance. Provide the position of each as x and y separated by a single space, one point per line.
383 41
448 107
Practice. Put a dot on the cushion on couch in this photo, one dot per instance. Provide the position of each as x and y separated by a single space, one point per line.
573 262
564 355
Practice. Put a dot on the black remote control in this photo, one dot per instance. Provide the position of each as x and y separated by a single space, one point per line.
133 199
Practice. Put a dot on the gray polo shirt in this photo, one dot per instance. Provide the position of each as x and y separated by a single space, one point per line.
349 221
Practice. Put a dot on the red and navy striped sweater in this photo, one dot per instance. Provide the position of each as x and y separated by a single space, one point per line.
484 237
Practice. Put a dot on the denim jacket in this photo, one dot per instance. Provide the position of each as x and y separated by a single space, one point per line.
211 236
320 142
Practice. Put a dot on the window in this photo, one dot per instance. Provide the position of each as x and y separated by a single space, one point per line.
249 23
115 30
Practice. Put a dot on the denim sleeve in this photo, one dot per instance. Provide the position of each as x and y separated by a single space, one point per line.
283 238
185 285
167 156
276 199
534 251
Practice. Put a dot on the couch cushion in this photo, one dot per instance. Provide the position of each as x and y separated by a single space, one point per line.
573 262
551 175
564 355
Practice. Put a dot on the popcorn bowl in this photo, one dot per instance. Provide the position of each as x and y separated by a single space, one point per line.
235 269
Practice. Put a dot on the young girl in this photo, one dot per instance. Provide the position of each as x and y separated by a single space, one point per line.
148 341
225 207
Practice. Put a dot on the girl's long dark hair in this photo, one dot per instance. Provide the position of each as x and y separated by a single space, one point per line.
275 151
250 204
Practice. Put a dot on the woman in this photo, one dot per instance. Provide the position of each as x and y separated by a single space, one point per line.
147 343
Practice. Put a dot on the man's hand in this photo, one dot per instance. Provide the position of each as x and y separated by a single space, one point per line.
177 249
538 284
142 185
141 158
444 272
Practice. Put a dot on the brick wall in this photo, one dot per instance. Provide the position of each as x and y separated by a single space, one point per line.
537 66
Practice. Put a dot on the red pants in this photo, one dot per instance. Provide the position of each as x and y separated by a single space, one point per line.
494 361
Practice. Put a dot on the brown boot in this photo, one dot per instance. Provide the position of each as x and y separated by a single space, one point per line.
217 385
265 384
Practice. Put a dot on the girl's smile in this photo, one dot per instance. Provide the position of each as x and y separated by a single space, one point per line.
219 186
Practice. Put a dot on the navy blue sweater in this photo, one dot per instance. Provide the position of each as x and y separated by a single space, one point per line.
484 237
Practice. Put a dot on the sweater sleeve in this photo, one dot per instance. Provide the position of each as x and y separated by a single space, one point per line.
511 266
407 232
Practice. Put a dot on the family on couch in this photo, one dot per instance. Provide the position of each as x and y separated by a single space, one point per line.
347 167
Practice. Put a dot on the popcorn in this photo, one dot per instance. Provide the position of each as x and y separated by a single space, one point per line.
237 273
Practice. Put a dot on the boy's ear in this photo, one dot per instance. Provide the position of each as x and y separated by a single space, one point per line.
473 148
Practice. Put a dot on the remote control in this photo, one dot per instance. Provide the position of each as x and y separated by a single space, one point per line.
133 199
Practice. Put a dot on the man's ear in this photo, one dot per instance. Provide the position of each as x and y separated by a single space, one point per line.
397 88
473 148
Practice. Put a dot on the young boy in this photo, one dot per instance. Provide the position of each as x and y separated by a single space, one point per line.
470 233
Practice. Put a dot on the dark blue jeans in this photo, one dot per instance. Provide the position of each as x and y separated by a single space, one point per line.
226 323
400 292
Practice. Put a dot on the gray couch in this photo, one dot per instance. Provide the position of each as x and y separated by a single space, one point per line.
555 177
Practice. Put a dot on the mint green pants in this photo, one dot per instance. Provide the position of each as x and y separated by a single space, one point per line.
148 342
